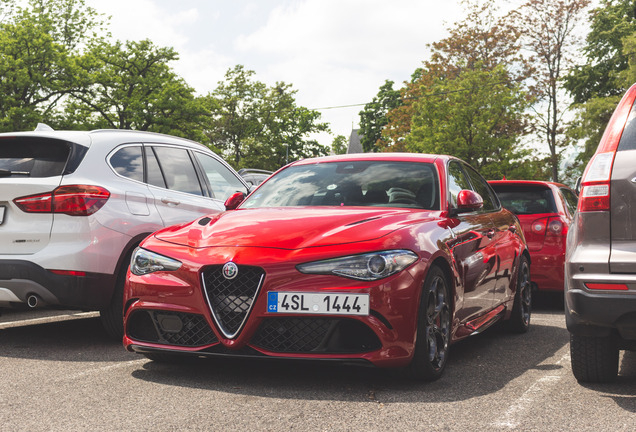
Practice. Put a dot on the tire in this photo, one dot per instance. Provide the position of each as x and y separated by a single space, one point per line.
432 341
594 359
113 316
519 321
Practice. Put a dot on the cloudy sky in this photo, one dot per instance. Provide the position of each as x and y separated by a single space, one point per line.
334 52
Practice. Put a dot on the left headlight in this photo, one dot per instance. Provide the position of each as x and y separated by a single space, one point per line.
367 267
143 262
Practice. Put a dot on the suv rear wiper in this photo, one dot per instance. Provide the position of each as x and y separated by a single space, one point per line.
8 173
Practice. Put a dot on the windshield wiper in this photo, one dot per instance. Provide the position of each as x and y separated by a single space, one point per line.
9 173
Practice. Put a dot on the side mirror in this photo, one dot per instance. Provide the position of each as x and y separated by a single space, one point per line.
234 200
468 201
577 187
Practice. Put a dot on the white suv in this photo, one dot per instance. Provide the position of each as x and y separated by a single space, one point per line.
74 205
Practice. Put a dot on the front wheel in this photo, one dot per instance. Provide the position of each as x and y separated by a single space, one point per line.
519 321
433 328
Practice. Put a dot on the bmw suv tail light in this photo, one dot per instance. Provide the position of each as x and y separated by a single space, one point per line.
73 200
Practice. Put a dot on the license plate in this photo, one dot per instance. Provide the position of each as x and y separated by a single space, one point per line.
2 209
318 303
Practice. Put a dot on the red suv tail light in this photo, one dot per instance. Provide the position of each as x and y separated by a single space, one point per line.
73 200
556 227
595 183
595 186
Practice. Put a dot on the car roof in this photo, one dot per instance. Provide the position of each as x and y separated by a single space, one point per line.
397 157
98 136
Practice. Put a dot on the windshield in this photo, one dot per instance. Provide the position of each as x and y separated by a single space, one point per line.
356 183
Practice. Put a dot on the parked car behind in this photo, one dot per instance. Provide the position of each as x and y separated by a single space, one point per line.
381 259
545 210
600 263
74 205
254 177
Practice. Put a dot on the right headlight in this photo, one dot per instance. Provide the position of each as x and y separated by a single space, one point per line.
368 267
143 262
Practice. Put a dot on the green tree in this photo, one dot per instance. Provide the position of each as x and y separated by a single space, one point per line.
258 126
132 86
598 84
373 117
476 117
481 42
339 145
38 47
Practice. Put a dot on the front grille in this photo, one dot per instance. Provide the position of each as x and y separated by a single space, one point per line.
170 328
315 335
230 300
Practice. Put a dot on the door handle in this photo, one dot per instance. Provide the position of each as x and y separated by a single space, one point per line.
170 201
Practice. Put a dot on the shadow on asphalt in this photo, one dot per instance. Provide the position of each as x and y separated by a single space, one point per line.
74 340
479 365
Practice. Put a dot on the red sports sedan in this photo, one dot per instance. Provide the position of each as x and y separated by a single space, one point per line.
382 259
545 210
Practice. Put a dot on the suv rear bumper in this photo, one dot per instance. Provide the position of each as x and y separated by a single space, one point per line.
20 279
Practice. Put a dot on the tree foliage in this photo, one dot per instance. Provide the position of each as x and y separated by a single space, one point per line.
477 117
38 47
258 126
339 145
373 117
132 86
547 30
606 73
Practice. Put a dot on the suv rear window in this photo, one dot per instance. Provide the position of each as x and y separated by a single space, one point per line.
525 199
28 157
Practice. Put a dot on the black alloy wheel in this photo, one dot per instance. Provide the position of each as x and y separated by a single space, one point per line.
519 321
433 329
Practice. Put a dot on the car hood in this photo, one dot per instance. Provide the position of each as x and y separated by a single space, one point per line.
292 227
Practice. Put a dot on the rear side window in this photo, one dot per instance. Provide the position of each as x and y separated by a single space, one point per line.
178 170
128 162
526 199
628 138
33 157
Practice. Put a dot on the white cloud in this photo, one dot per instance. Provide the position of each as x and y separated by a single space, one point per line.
334 52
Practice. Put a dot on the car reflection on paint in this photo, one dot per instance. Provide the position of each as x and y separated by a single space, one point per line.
381 259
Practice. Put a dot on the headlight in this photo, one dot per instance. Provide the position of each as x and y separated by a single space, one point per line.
367 267
143 262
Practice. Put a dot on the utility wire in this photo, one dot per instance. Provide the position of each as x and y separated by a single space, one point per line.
407 98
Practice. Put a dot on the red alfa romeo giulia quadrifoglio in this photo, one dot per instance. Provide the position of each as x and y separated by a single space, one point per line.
385 259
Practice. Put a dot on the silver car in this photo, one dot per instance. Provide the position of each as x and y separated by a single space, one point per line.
74 205
600 262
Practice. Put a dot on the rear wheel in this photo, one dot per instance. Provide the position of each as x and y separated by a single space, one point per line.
519 321
594 359
433 329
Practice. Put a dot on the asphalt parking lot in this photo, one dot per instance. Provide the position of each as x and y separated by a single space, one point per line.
61 372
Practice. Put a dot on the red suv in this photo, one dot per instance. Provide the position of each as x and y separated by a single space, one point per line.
545 210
